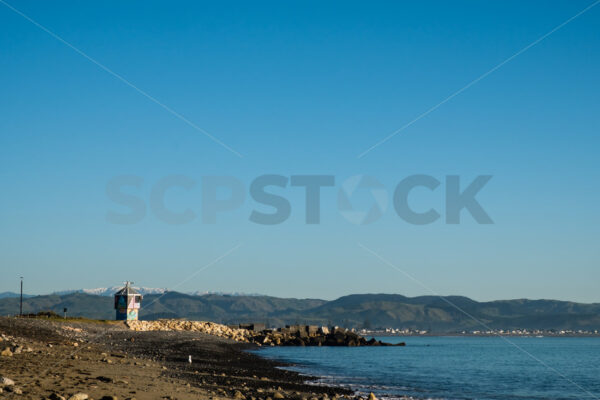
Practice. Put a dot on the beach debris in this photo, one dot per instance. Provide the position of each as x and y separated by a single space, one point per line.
190 359
70 328
14 389
4 381
372 396
6 352
79 396
56 396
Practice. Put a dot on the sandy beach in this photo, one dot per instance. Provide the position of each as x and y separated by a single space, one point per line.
54 359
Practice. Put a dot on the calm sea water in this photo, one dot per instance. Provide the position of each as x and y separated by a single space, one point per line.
457 367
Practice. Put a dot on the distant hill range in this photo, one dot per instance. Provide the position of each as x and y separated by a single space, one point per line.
110 291
13 294
359 310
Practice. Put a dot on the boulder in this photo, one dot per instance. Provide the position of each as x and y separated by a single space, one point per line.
299 341
323 330
14 389
312 330
4 381
317 340
303 334
79 396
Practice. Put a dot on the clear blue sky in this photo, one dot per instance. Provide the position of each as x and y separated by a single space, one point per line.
302 88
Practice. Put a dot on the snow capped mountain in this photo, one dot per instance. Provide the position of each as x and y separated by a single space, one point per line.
206 292
110 291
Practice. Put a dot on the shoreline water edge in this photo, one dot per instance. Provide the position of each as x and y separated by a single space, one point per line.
54 359
57 359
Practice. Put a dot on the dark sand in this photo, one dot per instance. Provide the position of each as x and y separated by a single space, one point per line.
107 359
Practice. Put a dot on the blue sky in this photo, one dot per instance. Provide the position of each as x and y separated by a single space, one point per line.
302 88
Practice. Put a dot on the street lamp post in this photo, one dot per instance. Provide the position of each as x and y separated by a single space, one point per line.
21 303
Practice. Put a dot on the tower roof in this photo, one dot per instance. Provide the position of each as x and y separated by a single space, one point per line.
127 290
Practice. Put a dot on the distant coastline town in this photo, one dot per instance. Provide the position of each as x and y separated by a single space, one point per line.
493 332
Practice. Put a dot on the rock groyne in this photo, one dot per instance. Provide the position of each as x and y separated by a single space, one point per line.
295 335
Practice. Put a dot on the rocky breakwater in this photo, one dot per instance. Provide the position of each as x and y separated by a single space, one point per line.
306 335
210 328
296 335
